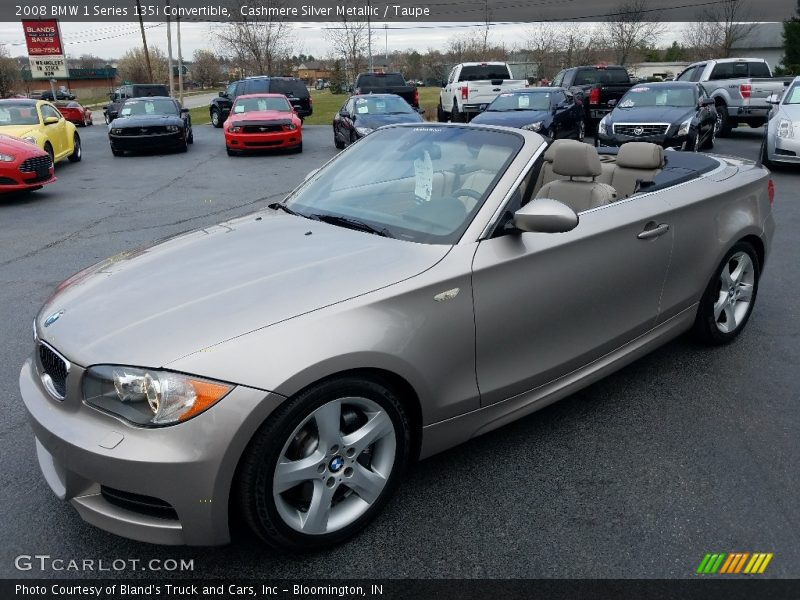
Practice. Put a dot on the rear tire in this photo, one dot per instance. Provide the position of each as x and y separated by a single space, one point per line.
77 151
441 116
455 115
216 118
339 144
348 479
723 313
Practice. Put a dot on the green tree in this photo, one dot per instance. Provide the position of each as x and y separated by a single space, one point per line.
791 44
9 74
675 53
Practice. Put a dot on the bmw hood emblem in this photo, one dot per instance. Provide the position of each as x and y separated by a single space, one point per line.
53 318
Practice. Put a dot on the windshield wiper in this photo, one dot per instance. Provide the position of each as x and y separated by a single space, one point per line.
352 224
286 209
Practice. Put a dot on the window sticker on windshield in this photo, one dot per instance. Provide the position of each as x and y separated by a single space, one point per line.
126 111
362 109
380 105
524 101
423 176
149 108
627 104
506 95
239 108
641 89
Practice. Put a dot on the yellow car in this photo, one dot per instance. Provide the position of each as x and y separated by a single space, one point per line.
40 123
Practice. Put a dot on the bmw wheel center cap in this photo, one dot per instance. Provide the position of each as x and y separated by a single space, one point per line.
336 464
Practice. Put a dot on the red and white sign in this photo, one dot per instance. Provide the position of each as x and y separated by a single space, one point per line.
45 50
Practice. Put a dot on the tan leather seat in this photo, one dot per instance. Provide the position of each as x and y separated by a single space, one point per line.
546 174
578 161
490 160
636 161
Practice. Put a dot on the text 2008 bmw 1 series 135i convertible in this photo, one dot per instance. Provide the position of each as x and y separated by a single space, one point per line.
287 366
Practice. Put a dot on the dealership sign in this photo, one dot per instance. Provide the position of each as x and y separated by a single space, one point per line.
45 49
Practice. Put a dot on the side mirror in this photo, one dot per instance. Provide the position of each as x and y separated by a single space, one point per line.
184 111
444 83
544 215
51 120
420 110
343 113
483 107
612 103
707 102
774 99
311 173
112 97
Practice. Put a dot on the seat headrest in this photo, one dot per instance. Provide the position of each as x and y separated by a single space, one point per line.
640 155
491 157
552 150
577 160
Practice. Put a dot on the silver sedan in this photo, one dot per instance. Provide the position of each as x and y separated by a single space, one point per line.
783 130
429 284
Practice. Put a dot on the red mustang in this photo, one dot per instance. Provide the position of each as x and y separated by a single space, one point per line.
262 122
75 113
23 166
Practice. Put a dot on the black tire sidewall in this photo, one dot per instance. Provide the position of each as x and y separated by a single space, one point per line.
705 327
257 467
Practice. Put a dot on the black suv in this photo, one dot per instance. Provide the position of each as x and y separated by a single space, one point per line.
291 87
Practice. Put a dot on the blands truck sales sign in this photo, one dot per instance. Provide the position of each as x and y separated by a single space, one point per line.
45 49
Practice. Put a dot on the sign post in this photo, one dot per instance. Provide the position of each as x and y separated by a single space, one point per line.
45 49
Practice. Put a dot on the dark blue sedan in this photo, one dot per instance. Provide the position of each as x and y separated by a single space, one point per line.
364 113
551 111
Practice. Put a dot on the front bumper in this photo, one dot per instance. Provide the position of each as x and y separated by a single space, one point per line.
666 141
190 466
784 150
263 141
147 142
17 181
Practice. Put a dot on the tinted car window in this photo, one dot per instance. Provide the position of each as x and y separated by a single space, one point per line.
244 105
390 79
729 70
49 111
136 91
591 76
423 211
293 87
559 79
687 74
256 86
759 69
481 72
682 96
522 101
18 114
142 106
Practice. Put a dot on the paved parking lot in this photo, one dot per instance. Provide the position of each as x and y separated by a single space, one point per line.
686 451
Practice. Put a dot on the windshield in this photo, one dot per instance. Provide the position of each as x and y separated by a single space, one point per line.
244 105
484 72
640 96
18 114
793 95
421 184
523 101
381 80
382 105
133 108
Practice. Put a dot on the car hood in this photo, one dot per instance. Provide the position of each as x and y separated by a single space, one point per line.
512 118
17 146
147 121
790 111
154 305
375 121
261 115
18 131
655 114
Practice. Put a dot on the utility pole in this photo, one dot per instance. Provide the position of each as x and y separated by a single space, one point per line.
144 41
180 62
169 53
369 35
386 32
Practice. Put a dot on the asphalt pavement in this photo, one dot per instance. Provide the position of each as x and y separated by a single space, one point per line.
687 451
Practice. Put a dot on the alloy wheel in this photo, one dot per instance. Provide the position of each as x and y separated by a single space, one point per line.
735 293
334 465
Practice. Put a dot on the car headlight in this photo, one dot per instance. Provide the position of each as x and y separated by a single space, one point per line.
685 127
364 130
532 126
785 129
30 139
234 129
6 158
173 128
292 127
116 131
150 397
602 125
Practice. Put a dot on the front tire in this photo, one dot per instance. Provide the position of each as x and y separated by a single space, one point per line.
581 131
324 464
441 116
49 149
77 151
728 300
455 114
216 118
725 124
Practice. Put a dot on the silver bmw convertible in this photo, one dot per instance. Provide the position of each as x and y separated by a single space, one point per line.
427 285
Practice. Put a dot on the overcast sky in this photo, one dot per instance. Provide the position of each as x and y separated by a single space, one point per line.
112 40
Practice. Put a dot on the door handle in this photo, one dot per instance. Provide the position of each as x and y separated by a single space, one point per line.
652 231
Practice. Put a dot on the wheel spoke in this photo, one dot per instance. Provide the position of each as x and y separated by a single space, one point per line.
725 278
720 304
328 418
730 317
378 426
745 292
741 267
290 473
316 519
366 484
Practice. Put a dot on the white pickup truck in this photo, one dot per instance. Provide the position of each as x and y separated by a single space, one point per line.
471 84
740 88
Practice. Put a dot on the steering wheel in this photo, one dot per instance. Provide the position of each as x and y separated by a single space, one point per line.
470 193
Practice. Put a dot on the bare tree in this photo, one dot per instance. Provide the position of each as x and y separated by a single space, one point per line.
258 45
715 31
88 61
133 66
543 45
631 26
9 73
206 69
348 39
579 46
